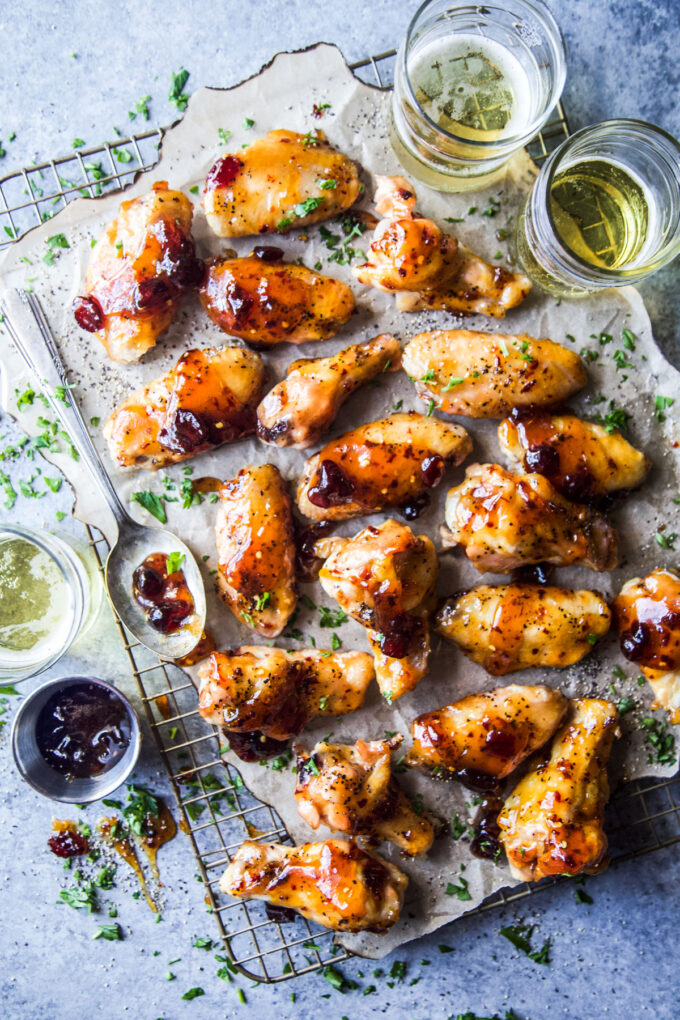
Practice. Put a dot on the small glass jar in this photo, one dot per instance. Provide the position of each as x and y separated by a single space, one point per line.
473 84
48 596
641 163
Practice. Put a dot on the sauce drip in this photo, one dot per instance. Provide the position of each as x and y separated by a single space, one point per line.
83 730
164 596
307 562
116 835
158 830
486 843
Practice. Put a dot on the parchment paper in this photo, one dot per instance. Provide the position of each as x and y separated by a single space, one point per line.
282 95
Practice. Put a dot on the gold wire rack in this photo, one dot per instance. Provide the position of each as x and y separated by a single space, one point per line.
217 810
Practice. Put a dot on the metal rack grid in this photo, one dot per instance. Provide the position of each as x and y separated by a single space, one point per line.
643 817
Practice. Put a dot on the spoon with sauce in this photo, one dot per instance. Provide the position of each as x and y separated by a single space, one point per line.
170 634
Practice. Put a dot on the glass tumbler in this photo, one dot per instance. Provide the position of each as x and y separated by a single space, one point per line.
473 84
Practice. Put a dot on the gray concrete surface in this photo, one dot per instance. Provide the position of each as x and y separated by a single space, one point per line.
74 70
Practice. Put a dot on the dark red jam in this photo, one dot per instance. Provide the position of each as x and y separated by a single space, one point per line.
307 562
412 510
268 253
152 295
223 173
88 313
399 635
534 573
432 470
475 780
68 842
255 746
179 263
83 730
164 597
332 487
542 458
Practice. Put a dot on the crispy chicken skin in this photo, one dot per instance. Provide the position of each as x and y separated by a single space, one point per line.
514 626
351 789
486 375
504 521
274 692
207 399
583 460
386 463
428 268
647 614
384 577
276 184
486 736
256 549
138 271
303 405
551 824
335 884
267 301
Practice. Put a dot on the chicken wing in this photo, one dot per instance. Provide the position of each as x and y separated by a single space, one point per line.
264 300
279 183
335 884
267 690
584 461
386 463
482 738
304 405
504 521
256 549
647 614
207 399
138 271
385 577
486 375
430 269
514 626
351 789
551 824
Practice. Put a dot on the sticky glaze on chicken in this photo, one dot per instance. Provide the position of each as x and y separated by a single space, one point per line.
647 614
386 463
140 267
584 461
486 375
482 738
264 300
335 884
552 822
384 577
429 269
303 405
351 789
281 182
515 626
207 399
256 549
504 521
268 690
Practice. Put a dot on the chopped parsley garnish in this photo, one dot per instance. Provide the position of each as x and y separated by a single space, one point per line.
429 376
339 244
110 932
620 359
262 600
592 639
151 503
175 561
329 184
582 896
78 143
332 617
625 704
665 541
141 107
178 96
248 122
615 418
80 897
337 980
628 339
461 890
140 805
457 827
520 936
660 405
661 741
453 381
193 993
430 408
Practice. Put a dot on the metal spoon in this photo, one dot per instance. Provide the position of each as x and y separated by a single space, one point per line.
28 326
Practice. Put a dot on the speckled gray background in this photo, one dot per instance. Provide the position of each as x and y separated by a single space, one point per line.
615 958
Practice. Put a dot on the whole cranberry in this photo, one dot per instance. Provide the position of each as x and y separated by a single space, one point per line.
333 487
268 253
151 295
223 173
432 470
88 313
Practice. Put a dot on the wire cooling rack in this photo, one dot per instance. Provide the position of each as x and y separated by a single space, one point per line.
217 811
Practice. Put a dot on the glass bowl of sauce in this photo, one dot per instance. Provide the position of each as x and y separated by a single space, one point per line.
46 599
76 739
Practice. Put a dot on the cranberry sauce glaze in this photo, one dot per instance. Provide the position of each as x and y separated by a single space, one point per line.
83 730
164 596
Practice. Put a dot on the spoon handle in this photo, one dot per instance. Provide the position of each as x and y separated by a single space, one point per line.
29 329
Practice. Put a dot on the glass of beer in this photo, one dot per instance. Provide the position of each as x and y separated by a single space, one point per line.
473 84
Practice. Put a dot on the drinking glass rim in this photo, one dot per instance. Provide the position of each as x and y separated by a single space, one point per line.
541 11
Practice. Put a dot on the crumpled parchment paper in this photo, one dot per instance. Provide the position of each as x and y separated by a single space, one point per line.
282 95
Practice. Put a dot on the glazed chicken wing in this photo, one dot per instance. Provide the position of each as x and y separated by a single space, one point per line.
515 626
267 690
504 521
429 269
385 577
264 300
351 789
482 738
486 375
551 824
647 614
281 182
304 405
256 549
584 461
207 399
138 271
386 463
335 884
